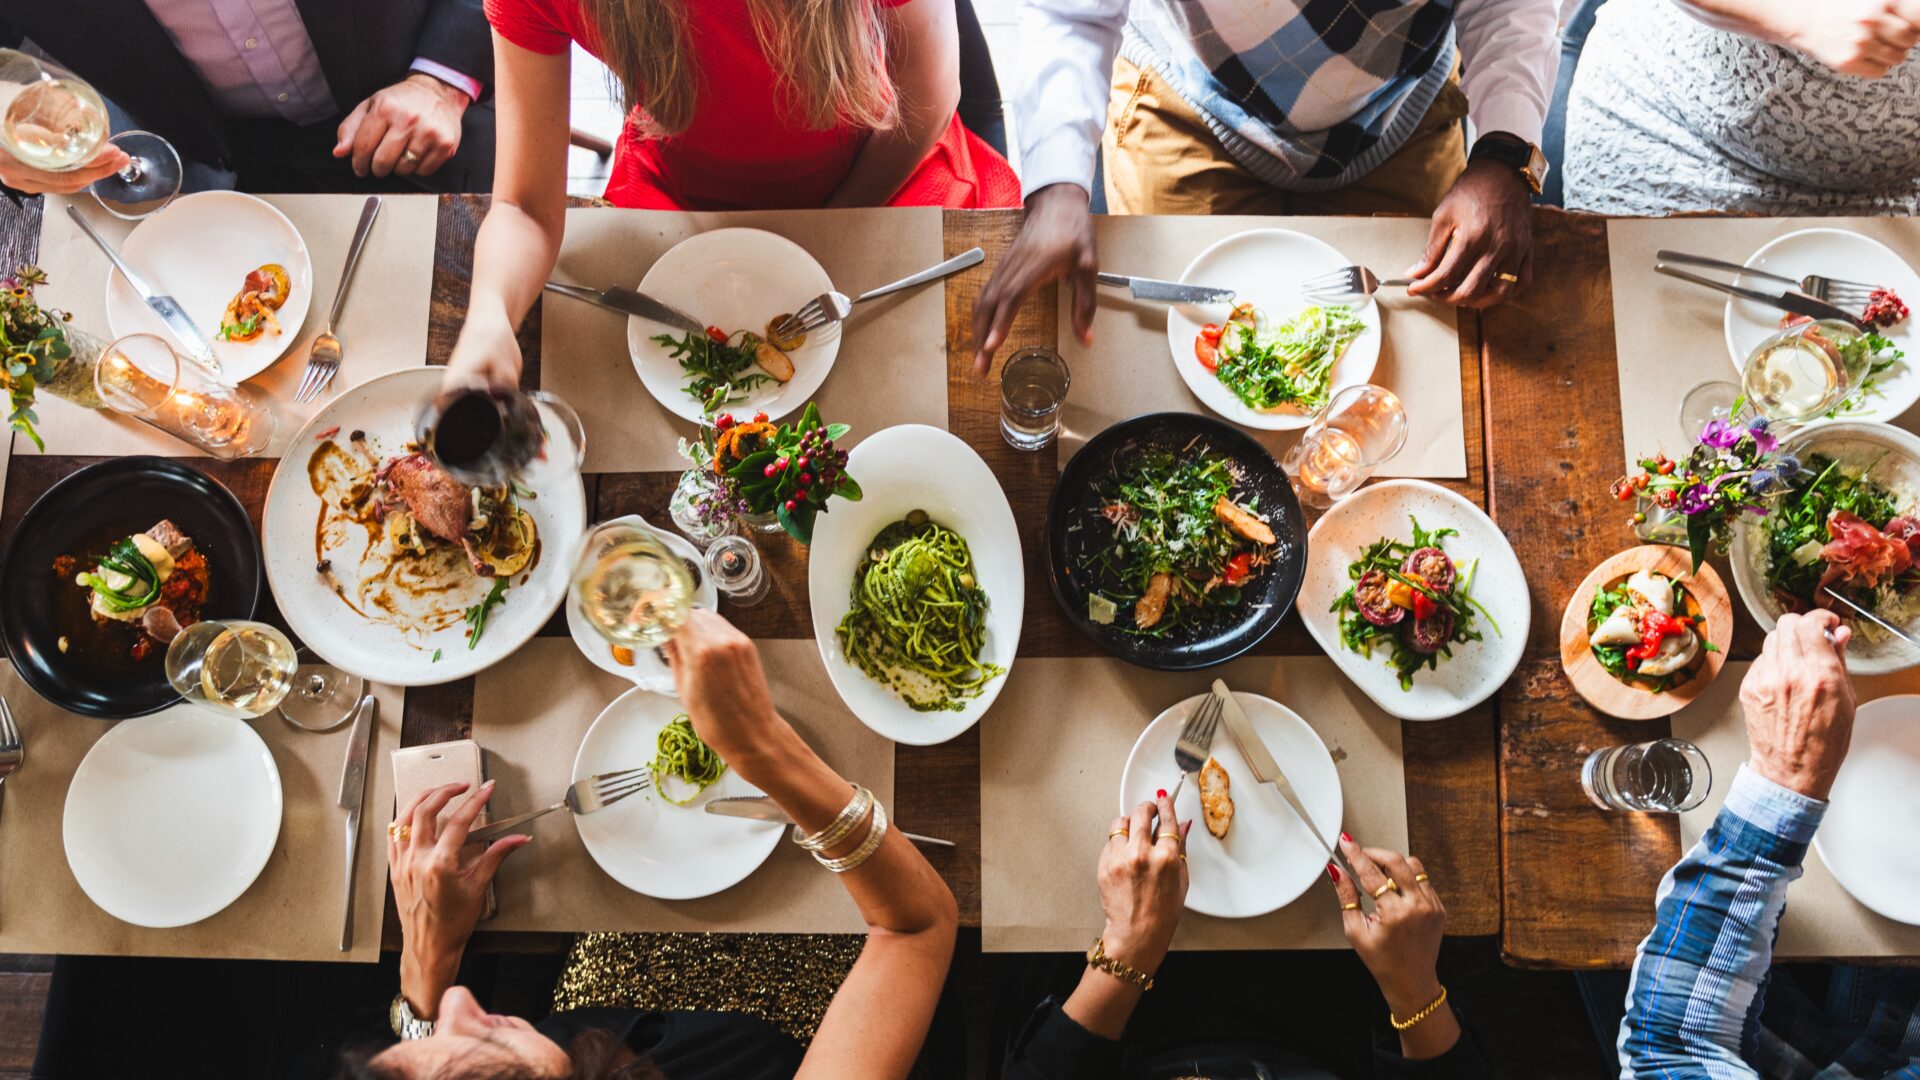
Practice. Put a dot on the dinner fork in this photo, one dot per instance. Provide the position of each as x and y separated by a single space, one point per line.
1348 281
588 796
1196 739
1852 295
323 356
831 307
12 752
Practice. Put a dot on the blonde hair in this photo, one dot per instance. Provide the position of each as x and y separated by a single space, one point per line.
829 58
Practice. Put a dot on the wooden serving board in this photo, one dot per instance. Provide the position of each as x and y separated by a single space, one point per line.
1595 683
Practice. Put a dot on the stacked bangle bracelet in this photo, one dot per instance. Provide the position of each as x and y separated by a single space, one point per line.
866 849
841 827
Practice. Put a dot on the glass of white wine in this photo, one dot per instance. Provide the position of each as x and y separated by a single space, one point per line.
249 669
52 120
630 587
1804 371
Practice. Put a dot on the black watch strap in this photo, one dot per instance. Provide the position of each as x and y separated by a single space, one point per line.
1513 152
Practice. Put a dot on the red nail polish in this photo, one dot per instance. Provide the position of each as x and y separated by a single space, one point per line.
1160 794
1347 838
1333 872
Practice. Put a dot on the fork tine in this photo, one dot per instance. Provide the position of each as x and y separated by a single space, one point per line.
1330 278
9 735
617 774
608 798
326 380
305 393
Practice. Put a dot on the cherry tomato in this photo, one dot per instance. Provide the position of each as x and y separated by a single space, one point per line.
1212 332
1207 352
759 418
1423 607
1238 568
718 335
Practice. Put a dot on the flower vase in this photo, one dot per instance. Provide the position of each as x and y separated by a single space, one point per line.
703 506
73 379
767 523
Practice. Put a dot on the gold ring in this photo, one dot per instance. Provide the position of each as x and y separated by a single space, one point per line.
1419 877
398 831
1355 906
1173 836
1390 886
1511 279
1116 832
412 158
1183 856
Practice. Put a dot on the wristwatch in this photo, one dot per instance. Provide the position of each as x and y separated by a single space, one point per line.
1515 153
405 1024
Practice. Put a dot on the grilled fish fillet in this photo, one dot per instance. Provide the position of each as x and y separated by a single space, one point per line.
1216 801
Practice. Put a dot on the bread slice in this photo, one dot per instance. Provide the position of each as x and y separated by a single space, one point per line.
1216 799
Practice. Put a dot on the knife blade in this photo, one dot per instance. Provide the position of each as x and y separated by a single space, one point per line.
1168 292
1797 303
629 302
353 790
197 348
761 808
1260 759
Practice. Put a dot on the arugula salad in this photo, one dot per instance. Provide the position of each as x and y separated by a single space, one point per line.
1835 528
1268 365
1410 600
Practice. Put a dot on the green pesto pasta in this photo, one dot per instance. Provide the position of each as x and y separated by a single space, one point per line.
918 620
679 752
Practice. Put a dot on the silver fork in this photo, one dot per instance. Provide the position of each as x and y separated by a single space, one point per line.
1852 295
588 796
323 357
1196 739
831 307
12 752
1346 282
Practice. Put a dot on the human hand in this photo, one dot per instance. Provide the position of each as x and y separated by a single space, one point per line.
1400 941
1866 38
717 673
438 893
1056 241
1799 704
419 113
23 177
1482 229
486 354
1143 885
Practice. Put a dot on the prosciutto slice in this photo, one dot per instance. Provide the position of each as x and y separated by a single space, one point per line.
1859 554
1906 530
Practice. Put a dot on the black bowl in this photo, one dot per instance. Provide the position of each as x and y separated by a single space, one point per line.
80 516
1222 635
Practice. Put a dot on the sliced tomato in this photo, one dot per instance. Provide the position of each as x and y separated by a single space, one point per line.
718 335
1238 568
1207 352
1212 332
1423 607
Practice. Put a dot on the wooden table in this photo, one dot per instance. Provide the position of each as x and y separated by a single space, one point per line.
1453 798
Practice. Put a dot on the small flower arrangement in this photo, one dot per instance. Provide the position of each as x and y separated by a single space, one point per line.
1734 469
34 342
788 470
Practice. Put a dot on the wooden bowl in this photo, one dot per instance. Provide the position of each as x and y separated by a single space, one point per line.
1601 689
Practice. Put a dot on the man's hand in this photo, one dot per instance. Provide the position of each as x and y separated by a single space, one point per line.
1055 242
1866 38
1799 704
419 113
1482 229
20 176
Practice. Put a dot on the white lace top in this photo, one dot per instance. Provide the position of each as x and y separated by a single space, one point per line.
1668 114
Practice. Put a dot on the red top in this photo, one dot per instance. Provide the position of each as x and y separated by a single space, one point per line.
740 151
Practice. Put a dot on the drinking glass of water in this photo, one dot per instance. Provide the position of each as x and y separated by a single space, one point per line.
1662 776
1359 430
1033 386
141 376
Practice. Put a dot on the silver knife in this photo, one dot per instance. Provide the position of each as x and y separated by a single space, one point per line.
1260 760
628 302
1169 292
353 790
761 808
1798 303
197 348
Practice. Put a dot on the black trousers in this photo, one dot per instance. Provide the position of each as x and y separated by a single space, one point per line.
275 156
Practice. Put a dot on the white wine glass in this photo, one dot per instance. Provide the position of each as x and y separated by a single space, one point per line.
249 669
630 587
54 121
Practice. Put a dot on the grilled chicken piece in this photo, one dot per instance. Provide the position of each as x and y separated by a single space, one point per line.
1216 799
437 502
1243 522
169 536
1149 608
771 360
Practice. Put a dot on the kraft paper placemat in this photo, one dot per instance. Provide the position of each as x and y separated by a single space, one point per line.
892 364
1822 919
292 910
1128 369
530 713
1051 757
382 329
1670 335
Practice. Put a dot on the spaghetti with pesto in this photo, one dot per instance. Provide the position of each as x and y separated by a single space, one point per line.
679 752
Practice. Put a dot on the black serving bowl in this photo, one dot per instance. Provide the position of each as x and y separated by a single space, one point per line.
80 516
1075 526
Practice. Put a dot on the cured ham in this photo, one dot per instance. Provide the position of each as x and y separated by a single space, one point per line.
1859 555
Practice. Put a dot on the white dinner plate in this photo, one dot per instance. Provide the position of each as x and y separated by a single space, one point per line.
1267 858
1836 253
1477 668
1264 267
171 817
902 469
1866 839
199 249
735 279
647 843
385 409
647 671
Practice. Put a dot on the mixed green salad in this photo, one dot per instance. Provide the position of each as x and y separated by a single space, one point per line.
720 368
1268 365
1410 600
1800 529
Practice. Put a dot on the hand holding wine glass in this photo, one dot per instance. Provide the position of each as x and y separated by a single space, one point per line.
23 177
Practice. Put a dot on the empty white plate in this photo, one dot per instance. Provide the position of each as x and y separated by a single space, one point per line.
1267 858
735 279
199 250
170 818
1264 267
1866 838
645 842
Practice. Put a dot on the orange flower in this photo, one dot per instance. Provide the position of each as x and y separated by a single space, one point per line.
740 442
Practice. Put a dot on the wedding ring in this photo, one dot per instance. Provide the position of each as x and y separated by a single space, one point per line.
1511 279
398 831
1388 886
412 158
1419 877
1116 832
1355 906
1173 836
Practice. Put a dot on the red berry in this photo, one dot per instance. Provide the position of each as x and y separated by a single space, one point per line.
723 421
790 506
800 494
805 477
759 418
803 461
781 464
768 471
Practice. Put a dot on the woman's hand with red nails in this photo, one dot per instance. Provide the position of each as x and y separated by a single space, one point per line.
439 889
1143 885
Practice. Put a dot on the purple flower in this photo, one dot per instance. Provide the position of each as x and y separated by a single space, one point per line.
1763 441
1696 498
1719 434
1763 481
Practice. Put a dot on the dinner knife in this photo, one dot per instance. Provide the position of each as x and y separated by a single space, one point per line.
629 302
1260 760
1168 292
761 808
353 790
198 349
1797 303
1872 618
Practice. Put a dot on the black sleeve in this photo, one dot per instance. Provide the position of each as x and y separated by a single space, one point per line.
456 34
1053 1047
1465 1061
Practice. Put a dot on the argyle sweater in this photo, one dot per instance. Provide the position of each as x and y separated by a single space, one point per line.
1306 94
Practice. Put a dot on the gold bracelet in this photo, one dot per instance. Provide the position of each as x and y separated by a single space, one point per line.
876 833
841 826
1432 1007
1098 960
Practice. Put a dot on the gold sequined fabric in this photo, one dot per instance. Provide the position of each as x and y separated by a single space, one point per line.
785 979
